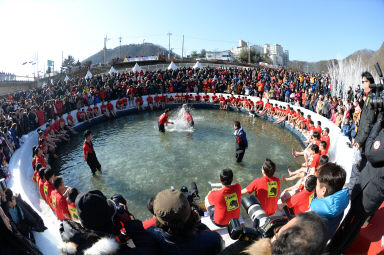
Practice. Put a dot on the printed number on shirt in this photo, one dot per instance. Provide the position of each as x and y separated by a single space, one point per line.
231 201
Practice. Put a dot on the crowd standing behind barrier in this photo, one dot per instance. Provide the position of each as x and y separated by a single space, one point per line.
30 109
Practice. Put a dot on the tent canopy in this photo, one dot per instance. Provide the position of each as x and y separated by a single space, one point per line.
136 68
113 70
88 75
197 65
172 66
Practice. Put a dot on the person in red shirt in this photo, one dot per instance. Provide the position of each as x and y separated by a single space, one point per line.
300 202
119 104
40 182
215 99
171 99
266 188
59 106
80 115
150 102
40 116
124 102
48 186
206 97
197 98
188 116
72 194
163 120
59 201
96 110
111 109
89 153
157 101
323 148
104 110
70 120
302 172
90 112
325 137
163 100
139 103
224 204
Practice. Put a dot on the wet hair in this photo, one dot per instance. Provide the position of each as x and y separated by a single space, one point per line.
269 167
316 135
48 173
310 183
226 176
57 181
41 172
315 148
323 160
332 176
72 194
150 205
324 144
237 124
87 133
369 77
307 236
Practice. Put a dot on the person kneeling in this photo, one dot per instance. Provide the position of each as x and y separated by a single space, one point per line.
224 204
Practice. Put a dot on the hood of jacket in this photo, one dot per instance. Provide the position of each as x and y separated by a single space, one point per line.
331 206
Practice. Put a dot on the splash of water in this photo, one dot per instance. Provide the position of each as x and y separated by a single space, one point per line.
346 73
180 122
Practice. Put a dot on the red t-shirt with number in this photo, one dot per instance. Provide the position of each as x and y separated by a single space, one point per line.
300 202
59 204
227 203
267 190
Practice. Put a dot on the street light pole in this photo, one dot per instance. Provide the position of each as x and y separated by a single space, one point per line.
169 45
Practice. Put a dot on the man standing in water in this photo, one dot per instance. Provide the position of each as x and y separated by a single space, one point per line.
163 120
89 153
241 141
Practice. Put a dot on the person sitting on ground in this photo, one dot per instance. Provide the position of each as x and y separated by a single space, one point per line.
224 204
96 110
104 110
48 186
300 202
104 229
59 201
71 199
307 152
150 102
302 172
266 188
178 230
139 103
331 199
111 109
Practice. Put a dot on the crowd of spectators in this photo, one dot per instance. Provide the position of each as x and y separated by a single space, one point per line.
7 77
177 228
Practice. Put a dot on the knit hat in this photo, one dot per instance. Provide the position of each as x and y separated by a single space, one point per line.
96 211
171 207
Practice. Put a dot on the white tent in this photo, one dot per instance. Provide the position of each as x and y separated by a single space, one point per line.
136 68
88 75
66 78
197 65
113 70
172 66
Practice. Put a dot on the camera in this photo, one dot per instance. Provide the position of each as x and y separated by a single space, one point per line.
377 100
192 196
3 184
264 226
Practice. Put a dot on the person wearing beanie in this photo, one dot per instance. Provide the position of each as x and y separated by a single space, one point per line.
178 230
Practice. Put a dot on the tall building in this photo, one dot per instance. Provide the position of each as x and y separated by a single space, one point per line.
277 54
286 58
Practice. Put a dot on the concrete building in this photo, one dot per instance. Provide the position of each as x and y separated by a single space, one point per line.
286 58
277 54
220 55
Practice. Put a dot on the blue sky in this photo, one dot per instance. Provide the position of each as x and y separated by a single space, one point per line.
310 30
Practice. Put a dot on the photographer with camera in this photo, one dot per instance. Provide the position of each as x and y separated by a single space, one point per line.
178 229
367 194
367 119
106 227
224 204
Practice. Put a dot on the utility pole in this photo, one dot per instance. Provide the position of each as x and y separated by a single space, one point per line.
105 48
120 46
143 48
249 53
182 49
169 45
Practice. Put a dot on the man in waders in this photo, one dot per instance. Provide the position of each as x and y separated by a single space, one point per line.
89 153
241 141
163 120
